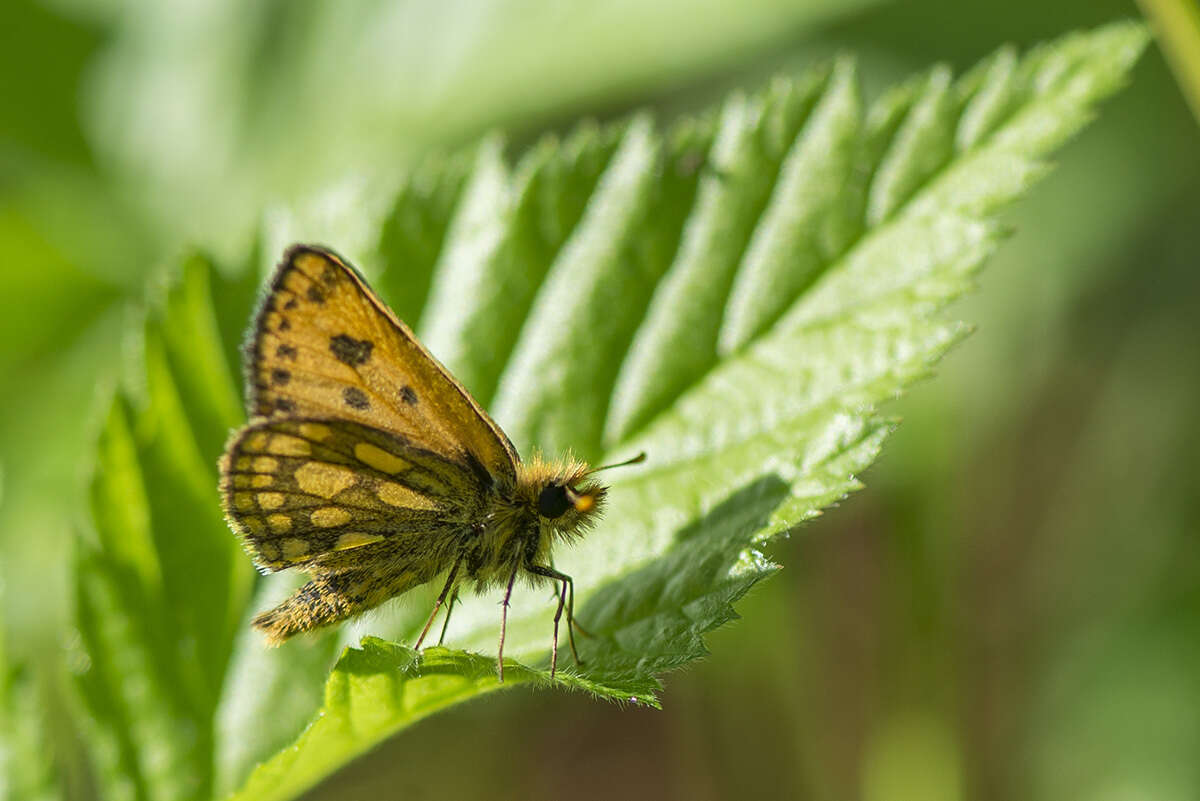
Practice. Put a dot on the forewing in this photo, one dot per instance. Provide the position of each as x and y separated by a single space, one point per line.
325 346
333 494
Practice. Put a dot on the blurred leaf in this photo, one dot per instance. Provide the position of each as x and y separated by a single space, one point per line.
1118 711
50 78
162 588
389 80
48 300
827 288
1176 24
28 769
270 694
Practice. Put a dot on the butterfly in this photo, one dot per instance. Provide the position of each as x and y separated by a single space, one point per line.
368 466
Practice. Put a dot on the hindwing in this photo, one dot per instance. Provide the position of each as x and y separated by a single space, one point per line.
301 492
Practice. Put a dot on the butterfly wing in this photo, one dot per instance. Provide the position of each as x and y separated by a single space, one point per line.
334 495
325 346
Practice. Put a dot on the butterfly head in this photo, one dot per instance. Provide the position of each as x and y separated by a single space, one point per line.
565 496
566 499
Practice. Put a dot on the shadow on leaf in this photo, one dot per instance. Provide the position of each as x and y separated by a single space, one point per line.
654 618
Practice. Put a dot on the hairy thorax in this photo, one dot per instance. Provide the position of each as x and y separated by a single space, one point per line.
550 501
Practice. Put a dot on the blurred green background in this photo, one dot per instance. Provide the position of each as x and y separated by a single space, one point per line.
1010 610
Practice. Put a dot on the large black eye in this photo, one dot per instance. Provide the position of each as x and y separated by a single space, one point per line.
553 502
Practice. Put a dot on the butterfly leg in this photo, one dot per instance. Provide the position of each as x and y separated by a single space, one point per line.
446 620
438 605
579 627
562 598
566 598
572 620
573 624
504 624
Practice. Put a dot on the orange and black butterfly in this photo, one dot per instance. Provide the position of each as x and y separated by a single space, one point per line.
368 466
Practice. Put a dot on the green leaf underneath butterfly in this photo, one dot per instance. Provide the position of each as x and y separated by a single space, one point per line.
736 295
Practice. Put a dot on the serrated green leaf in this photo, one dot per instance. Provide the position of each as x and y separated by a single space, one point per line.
677 340
796 292
370 690
735 295
148 740
507 228
808 221
270 694
586 309
162 588
414 232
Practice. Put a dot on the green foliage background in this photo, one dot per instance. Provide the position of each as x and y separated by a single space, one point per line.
1010 611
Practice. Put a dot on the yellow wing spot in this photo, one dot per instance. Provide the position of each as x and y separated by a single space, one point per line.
280 523
270 500
395 494
242 481
355 539
328 516
254 526
243 501
294 549
287 445
261 481
265 464
243 463
269 551
380 459
325 480
316 431
256 442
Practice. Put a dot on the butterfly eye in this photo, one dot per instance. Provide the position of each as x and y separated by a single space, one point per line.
553 502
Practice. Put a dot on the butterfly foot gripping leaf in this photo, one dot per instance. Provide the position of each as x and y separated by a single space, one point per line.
367 465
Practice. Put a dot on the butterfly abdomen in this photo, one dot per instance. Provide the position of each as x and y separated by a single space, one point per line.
333 597
315 604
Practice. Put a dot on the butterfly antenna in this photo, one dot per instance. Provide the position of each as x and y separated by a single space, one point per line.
585 503
641 457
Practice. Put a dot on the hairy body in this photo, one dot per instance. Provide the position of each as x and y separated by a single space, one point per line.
368 466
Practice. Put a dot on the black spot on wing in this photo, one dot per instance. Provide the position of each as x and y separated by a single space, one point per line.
408 395
285 352
315 294
280 376
351 351
355 398
284 405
